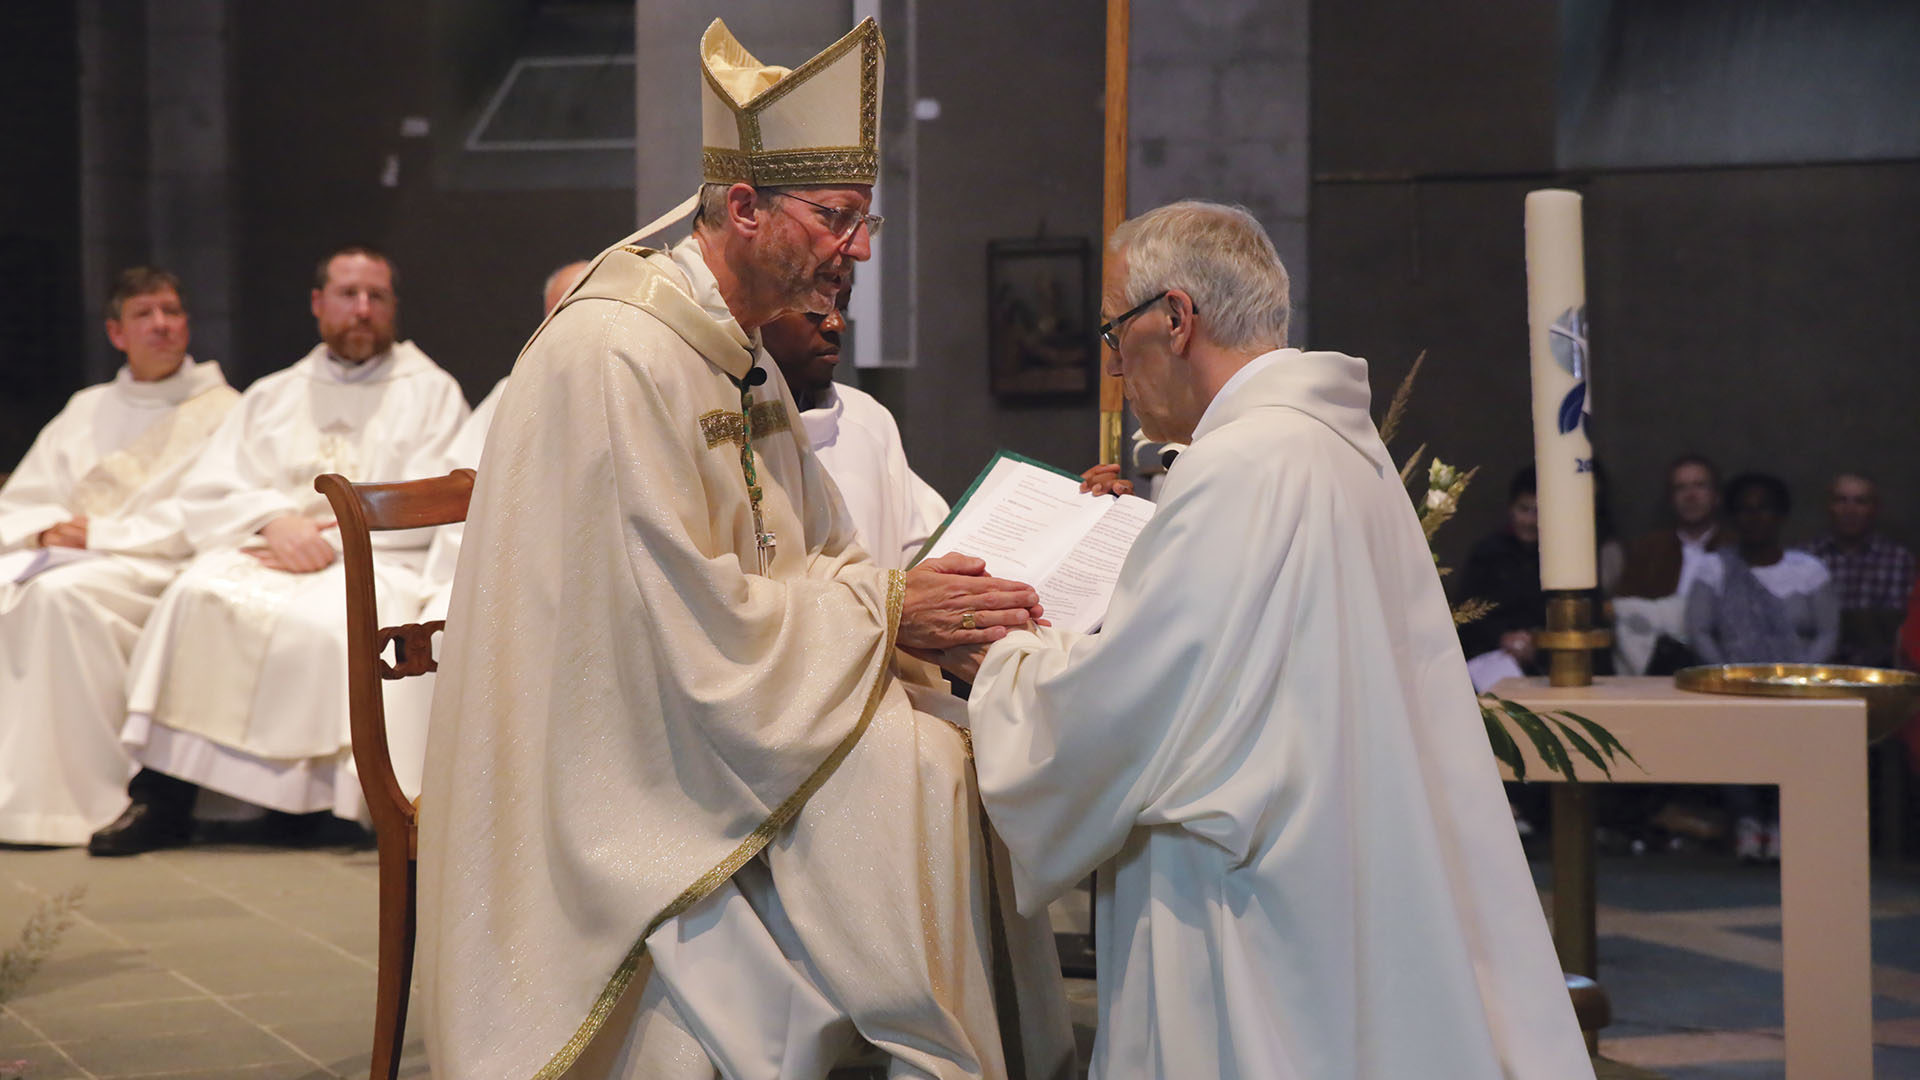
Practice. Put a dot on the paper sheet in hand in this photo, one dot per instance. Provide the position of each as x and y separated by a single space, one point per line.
46 559
1032 523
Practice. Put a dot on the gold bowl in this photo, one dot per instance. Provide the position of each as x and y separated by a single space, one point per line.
1891 695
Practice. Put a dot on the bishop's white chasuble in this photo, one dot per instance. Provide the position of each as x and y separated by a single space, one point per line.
115 455
240 682
646 750
1272 753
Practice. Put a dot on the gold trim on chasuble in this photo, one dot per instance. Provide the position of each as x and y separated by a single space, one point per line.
721 426
756 840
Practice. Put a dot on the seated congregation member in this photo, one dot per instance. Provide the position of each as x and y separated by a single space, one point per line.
1907 656
1755 602
239 683
1650 599
1271 749
1871 573
90 533
1503 569
856 438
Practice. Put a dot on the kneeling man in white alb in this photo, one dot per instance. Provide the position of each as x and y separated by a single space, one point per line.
1271 750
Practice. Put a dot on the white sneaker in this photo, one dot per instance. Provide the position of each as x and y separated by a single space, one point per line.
1773 842
1749 840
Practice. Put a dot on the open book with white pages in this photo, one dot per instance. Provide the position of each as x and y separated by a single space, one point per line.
1032 523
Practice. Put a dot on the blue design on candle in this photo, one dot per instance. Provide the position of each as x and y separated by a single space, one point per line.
1567 339
1572 412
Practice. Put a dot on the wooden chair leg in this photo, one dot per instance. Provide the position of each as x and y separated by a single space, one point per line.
397 905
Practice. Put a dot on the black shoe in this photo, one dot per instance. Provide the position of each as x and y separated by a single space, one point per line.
142 827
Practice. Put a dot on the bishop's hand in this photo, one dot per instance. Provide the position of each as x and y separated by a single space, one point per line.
294 544
951 601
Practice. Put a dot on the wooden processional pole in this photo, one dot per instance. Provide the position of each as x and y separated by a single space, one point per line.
1114 206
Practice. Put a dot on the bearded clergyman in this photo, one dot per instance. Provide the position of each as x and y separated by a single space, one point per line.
686 813
240 683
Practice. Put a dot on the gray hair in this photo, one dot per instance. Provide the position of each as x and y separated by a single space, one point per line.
1220 256
713 205
713 202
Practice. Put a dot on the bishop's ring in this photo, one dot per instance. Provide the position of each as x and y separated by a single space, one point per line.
966 620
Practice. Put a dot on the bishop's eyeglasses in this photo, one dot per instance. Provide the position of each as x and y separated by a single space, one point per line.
841 221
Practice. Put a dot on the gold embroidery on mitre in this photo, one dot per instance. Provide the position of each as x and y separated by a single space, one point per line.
721 427
753 161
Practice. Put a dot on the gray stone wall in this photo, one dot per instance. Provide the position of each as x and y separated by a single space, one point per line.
154 153
1218 110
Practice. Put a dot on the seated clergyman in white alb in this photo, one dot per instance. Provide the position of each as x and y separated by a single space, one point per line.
681 816
1270 750
894 511
89 535
239 684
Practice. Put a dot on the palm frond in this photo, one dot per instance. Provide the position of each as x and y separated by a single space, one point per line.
38 939
1588 739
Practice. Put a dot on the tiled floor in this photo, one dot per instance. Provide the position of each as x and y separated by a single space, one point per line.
207 962
245 962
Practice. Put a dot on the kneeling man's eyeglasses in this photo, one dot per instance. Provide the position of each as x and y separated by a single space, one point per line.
1110 330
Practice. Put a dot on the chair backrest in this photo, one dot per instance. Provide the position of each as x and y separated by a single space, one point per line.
361 510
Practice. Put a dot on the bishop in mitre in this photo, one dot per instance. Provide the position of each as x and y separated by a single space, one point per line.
90 533
686 813
1271 750
240 682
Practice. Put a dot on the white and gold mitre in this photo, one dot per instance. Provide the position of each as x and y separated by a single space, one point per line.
768 126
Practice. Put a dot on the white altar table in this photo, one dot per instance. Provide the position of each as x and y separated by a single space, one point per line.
1815 750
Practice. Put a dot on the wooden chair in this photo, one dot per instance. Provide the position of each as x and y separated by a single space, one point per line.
362 509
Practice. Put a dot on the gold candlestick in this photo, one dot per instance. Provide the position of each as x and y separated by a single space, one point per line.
1570 638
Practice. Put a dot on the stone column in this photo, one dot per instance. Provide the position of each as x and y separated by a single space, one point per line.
191 232
154 160
1217 109
113 162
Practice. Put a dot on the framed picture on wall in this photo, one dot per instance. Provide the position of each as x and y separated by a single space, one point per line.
1040 319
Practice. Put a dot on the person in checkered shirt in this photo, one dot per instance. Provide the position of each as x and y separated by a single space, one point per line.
1871 574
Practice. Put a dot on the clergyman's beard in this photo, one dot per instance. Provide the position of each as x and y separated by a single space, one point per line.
340 346
340 343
